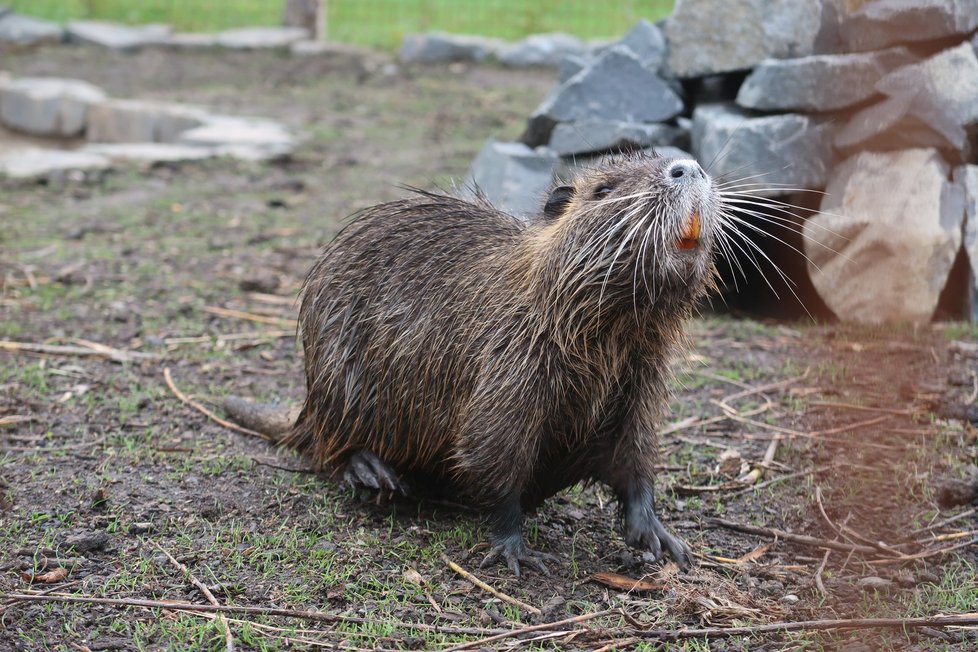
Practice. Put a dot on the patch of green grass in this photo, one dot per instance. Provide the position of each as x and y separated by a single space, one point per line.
382 24
961 330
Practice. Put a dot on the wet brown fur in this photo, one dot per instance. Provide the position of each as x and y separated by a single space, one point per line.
463 345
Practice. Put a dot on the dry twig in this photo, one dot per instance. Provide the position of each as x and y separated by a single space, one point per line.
240 314
91 349
801 539
203 410
485 587
228 639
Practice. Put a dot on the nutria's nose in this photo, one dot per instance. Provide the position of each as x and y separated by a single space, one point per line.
685 169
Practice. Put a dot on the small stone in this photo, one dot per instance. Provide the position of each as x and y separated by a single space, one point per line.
873 583
47 106
261 38
139 121
24 30
771 587
883 22
820 82
262 282
790 598
141 527
540 50
32 162
789 150
86 541
707 37
116 36
588 136
514 177
245 138
615 86
889 229
439 47
646 42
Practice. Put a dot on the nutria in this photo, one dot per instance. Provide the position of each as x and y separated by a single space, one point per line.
502 359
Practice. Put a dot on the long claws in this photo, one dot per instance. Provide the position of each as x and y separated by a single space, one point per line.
366 469
514 554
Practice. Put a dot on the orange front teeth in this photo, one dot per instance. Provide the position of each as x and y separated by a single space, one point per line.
691 235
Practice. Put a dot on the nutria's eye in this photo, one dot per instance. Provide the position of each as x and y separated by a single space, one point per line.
602 191
559 198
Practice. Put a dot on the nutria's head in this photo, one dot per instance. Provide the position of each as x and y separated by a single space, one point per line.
636 230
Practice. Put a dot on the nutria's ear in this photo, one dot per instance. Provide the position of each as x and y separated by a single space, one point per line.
557 202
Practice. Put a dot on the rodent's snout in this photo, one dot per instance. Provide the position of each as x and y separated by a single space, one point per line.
684 170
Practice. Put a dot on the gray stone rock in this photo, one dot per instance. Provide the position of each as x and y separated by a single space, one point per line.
86 540
24 30
884 22
646 42
615 86
35 162
514 177
777 151
148 152
826 82
192 40
47 106
540 50
138 121
588 136
4 10
707 37
245 138
439 47
882 246
261 38
569 65
873 583
967 176
929 104
116 36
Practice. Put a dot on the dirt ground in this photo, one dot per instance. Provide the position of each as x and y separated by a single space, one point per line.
104 472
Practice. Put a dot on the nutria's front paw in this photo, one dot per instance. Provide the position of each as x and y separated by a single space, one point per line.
514 552
648 533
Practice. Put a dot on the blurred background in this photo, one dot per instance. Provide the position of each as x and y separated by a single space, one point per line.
377 23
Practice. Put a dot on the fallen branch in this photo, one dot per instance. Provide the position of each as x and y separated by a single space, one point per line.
173 605
228 639
861 408
801 539
485 587
959 620
203 410
532 628
91 349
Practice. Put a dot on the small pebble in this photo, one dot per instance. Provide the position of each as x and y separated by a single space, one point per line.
791 598
875 583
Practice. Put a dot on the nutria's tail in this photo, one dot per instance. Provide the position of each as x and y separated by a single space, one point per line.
267 418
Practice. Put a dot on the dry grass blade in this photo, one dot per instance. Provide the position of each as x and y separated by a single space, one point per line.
89 349
625 583
240 314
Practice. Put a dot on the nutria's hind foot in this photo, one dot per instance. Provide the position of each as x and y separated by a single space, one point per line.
364 469
644 530
513 551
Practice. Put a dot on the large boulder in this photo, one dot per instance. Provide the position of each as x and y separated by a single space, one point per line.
47 106
588 136
707 37
880 23
776 154
615 86
24 30
514 177
116 36
882 246
937 96
646 42
825 82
